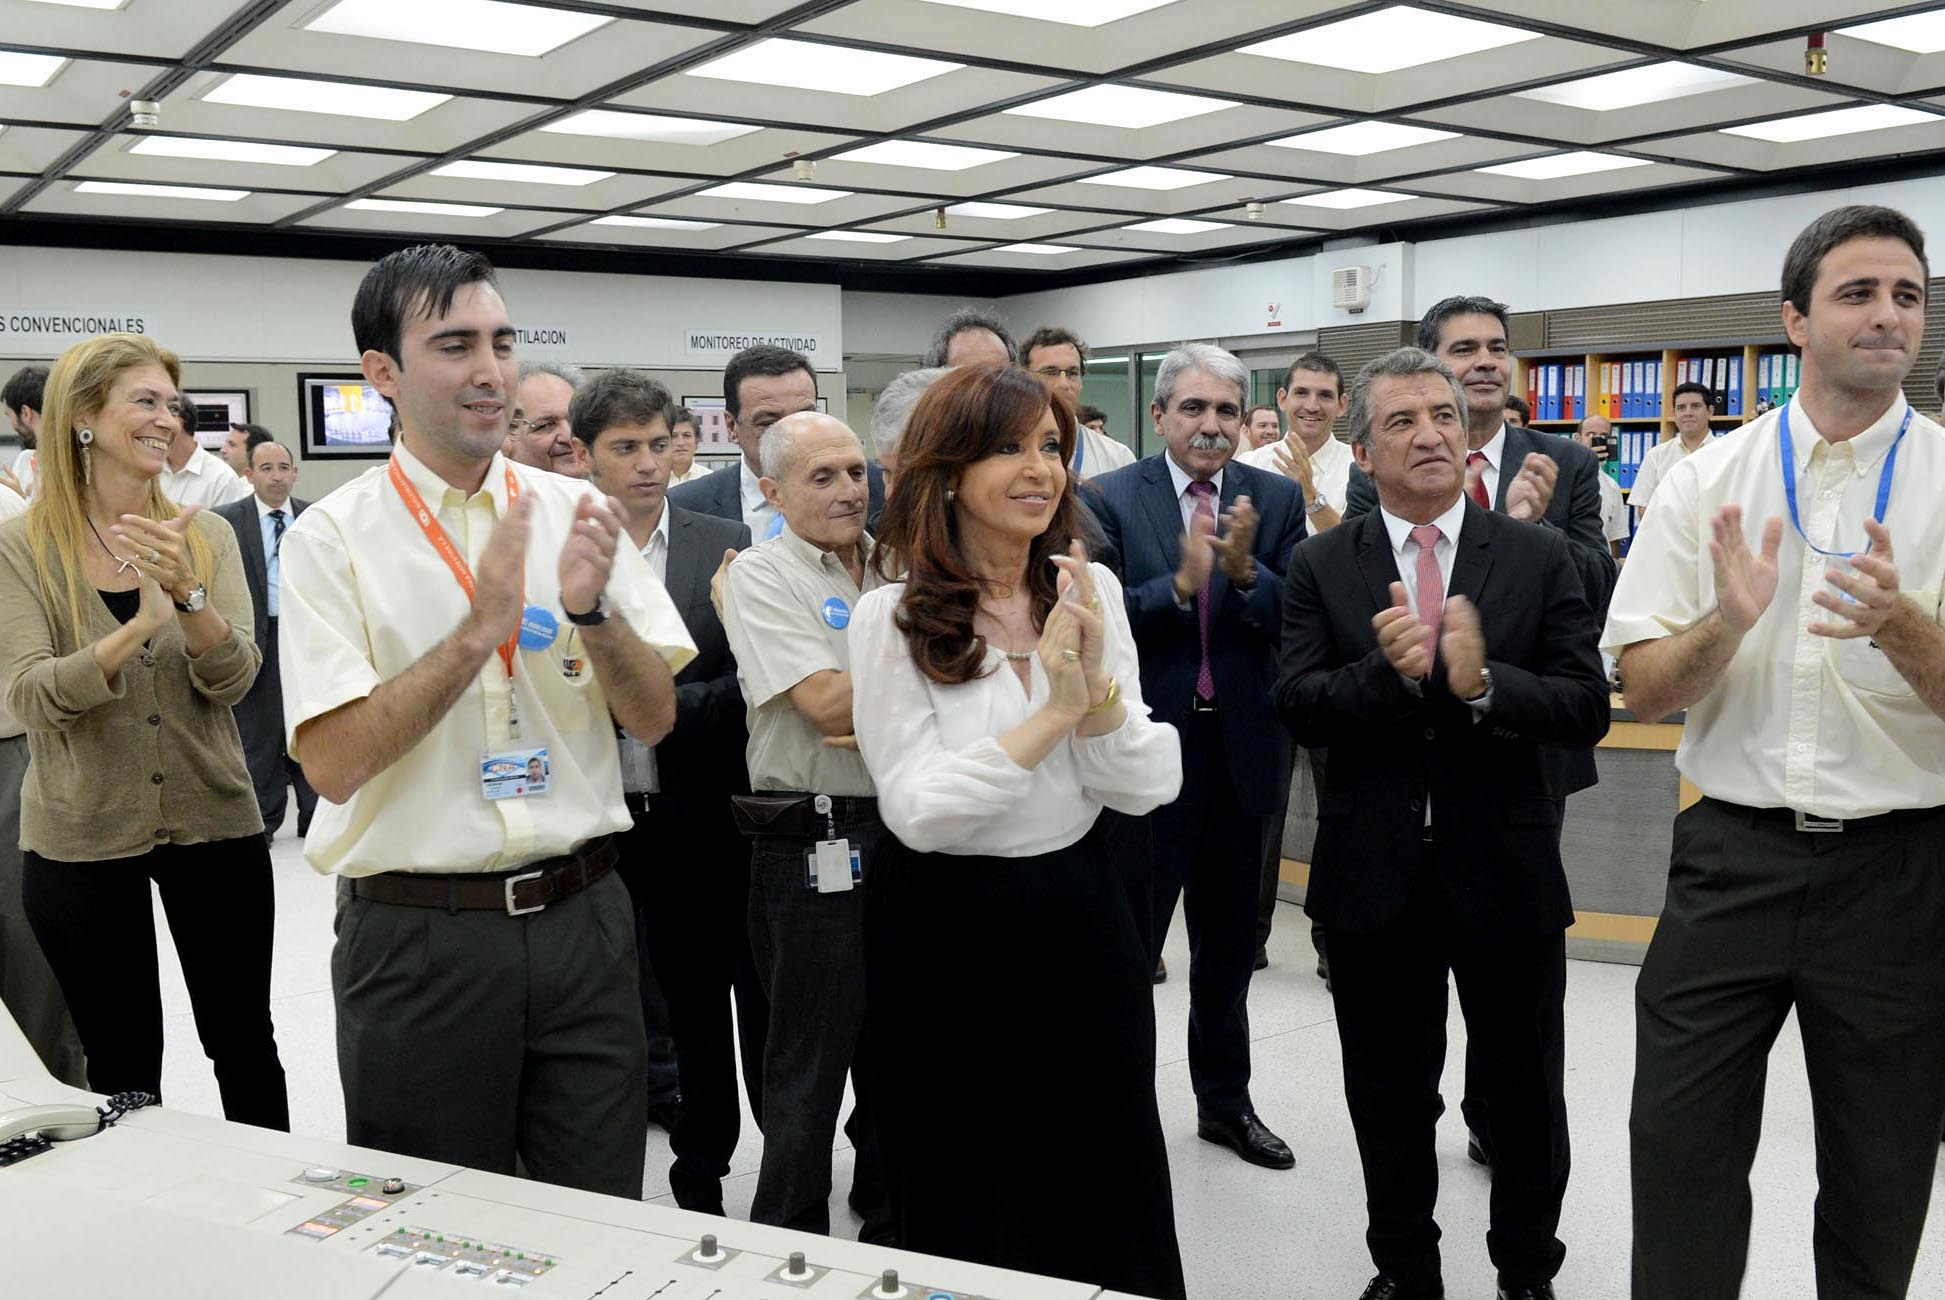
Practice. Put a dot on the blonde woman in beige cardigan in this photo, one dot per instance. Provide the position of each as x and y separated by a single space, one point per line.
124 642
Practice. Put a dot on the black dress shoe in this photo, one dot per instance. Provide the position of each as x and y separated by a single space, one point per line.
1476 1150
1246 1136
1532 1291
1262 958
1386 1287
1161 971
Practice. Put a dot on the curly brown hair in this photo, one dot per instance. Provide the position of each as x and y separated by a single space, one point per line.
965 417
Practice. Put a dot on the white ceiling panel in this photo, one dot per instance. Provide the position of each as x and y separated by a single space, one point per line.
507 223
690 236
63 198
342 171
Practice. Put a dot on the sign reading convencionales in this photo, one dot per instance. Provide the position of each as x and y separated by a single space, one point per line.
56 328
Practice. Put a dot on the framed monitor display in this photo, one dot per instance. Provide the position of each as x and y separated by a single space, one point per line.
344 418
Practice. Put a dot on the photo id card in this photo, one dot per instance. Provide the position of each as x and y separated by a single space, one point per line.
515 773
824 867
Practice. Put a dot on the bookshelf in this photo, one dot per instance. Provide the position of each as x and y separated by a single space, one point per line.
1633 386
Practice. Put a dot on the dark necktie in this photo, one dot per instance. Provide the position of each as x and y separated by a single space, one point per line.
276 532
1205 681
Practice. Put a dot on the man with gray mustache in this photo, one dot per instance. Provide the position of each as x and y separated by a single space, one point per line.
1200 542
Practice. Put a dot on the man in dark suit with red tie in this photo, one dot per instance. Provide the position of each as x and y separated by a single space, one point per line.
1200 543
260 520
1435 648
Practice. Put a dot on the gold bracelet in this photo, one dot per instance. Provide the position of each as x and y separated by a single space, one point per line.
1107 701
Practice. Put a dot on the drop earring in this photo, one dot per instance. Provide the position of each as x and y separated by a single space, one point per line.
949 495
85 437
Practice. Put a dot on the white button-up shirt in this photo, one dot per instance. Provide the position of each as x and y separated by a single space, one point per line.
758 514
1330 469
1826 727
1185 499
365 596
1661 458
204 480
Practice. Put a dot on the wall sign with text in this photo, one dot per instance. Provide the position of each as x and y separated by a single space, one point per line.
55 329
719 345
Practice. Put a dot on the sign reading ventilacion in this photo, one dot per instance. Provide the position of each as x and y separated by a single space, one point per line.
55 329
721 345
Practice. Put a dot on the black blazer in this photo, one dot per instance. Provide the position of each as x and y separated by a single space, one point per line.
1576 512
720 493
1141 521
242 516
703 756
1497 848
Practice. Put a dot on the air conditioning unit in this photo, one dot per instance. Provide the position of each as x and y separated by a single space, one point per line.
1350 287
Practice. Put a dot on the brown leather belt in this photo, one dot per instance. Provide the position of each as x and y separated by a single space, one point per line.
515 892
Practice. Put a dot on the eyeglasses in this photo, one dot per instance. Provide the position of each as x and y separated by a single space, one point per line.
1055 372
545 428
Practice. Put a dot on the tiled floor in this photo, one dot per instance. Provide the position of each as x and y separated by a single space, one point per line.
1246 1233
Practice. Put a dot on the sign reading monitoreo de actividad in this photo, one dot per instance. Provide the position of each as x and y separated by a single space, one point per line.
721 345
55 329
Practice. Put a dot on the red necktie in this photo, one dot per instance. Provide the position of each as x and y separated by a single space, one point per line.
1431 586
1478 489
1205 681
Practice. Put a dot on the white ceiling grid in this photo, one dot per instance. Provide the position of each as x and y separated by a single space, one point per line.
1056 136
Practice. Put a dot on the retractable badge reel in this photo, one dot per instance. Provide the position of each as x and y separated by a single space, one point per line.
835 866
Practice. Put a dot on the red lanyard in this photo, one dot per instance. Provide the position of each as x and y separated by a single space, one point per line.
442 543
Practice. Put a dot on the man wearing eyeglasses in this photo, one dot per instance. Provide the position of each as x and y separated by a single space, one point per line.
538 435
1059 358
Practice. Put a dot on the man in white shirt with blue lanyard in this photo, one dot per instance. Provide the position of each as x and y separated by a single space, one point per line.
1788 597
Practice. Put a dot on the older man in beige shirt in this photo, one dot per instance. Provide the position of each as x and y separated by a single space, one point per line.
1809 653
485 969
788 601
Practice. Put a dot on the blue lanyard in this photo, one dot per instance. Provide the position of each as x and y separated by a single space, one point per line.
1080 446
1789 479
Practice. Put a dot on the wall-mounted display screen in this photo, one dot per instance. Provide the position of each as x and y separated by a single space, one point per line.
344 417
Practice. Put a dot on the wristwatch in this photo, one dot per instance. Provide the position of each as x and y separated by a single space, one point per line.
1318 502
593 618
198 598
1484 696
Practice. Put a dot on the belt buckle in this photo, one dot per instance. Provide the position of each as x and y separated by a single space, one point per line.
1818 825
512 882
1199 705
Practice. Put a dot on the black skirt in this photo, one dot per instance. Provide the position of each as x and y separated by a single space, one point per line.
1011 1004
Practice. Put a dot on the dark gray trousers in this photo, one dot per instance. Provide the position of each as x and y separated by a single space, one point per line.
479 1038
1849 930
27 985
809 951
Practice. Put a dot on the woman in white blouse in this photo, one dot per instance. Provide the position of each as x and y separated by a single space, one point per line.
997 702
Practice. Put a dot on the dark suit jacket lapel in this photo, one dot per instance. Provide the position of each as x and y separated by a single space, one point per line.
1164 512
1375 559
249 540
684 562
1473 559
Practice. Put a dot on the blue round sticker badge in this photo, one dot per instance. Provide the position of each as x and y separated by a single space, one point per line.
538 628
836 612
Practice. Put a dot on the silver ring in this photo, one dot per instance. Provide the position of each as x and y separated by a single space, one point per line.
154 556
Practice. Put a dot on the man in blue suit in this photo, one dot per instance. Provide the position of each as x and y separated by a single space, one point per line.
761 385
1200 543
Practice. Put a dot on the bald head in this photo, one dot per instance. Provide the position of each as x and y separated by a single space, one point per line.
814 474
1593 429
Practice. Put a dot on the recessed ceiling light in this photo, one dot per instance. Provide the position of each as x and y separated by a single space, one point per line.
1037 250
1842 121
28 69
758 192
243 151
1178 226
858 237
1359 139
338 98
1388 40
477 169
996 211
920 153
1554 166
1074 13
489 25
656 223
1154 178
133 190
1632 86
1351 198
426 209
1919 33
1129 106
84 4
614 125
812 65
